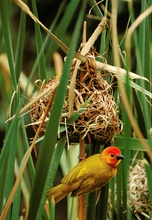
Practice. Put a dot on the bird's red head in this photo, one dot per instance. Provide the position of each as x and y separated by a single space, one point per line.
112 155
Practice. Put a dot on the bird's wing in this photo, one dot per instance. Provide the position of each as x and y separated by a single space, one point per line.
90 184
84 187
83 169
78 172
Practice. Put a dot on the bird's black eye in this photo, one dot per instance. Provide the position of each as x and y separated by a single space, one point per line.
112 155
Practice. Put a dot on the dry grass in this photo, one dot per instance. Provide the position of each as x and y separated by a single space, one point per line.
99 119
139 195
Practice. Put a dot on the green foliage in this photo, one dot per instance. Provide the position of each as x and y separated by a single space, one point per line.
39 173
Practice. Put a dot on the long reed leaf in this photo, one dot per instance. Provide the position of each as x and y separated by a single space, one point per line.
35 209
62 26
39 46
20 45
7 38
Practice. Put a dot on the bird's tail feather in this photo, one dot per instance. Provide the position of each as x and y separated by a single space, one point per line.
58 192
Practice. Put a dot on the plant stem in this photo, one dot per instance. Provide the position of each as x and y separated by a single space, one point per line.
82 205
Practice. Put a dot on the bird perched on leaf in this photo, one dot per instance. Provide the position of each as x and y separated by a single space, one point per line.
89 175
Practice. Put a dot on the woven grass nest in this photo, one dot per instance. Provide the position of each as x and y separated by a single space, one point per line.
98 120
139 195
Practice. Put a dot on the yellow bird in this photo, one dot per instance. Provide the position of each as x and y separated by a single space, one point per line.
89 175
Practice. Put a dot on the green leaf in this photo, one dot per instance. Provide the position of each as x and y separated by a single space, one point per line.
39 46
49 142
148 170
76 115
4 15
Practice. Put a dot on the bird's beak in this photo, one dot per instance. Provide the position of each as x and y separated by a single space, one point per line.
120 157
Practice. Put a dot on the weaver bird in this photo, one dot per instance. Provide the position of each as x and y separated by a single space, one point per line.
89 175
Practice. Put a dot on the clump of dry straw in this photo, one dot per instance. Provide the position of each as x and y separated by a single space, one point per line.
138 191
98 120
